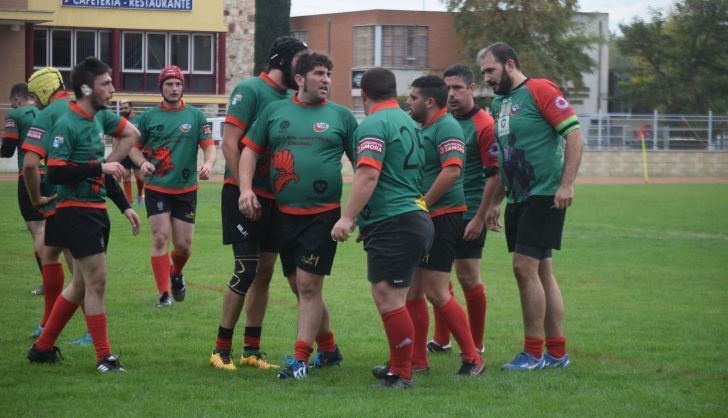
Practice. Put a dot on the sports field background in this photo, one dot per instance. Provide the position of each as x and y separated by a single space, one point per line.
644 273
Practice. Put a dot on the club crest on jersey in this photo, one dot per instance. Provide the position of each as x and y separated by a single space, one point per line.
237 98
451 145
561 103
370 144
206 129
57 141
320 126
185 128
514 109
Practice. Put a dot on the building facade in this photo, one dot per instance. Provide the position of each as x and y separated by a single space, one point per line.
210 40
414 43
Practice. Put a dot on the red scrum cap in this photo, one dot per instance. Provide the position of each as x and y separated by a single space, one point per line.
170 71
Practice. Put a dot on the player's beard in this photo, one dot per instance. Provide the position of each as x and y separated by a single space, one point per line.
504 86
98 104
173 102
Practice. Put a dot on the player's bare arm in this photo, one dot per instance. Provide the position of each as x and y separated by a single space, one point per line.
362 186
138 159
210 154
124 143
475 227
447 177
492 216
572 158
31 176
248 202
231 136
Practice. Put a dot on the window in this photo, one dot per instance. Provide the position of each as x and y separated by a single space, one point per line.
179 51
301 35
156 51
105 46
61 49
40 48
85 44
404 47
363 47
64 48
146 53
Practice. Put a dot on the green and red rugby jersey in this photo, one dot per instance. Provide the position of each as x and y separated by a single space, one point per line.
17 123
169 140
77 138
481 152
390 141
444 146
530 123
306 143
134 118
247 100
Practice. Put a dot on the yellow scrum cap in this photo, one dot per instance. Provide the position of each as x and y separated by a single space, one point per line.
43 83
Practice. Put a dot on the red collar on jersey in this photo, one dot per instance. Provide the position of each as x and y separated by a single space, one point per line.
172 109
76 108
61 94
298 102
440 113
388 104
270 81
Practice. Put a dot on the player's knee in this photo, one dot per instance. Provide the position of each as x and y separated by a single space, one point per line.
244 273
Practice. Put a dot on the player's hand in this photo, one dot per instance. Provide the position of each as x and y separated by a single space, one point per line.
343 229
205 171
147 168
134 220
473 229
492 218
249 205
44 200
114 169
564 197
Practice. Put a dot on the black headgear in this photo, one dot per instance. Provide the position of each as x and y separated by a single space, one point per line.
282 51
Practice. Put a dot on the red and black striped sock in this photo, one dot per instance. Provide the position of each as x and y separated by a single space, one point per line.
251 340
224 338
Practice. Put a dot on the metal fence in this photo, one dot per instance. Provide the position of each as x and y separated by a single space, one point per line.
660 131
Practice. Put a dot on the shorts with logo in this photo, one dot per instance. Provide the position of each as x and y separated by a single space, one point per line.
395 246
29 213
256 237
448 230
127 163
470 249
535 222
84 231
183 206
52 236
305 241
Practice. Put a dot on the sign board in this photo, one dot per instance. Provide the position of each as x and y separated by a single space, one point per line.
180 5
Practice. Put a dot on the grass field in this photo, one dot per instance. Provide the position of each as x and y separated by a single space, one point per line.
644 274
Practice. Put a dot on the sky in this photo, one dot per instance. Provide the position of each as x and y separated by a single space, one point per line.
620 11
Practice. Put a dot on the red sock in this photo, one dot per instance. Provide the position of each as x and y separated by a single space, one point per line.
441 335
251 343
178 263
52 287
326 342
160 267
556 347
400 334
420 317
127 190
458 323
533 346
97 328
140 188
477 305
62 312
303 351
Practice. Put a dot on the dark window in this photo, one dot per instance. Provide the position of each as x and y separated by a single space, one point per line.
61 48
156 51
105 46
202 45
40 48
179 51
85 45
132 52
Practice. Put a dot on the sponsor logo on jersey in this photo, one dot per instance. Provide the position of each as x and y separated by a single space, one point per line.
320 186
514 109
284 125
237 98
320 126
57 141
370 144
561 103
311 260
242 230
185 128
35 133
206 129
451 145
9 123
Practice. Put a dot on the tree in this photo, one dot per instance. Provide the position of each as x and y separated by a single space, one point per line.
680 60
272 19
549 43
